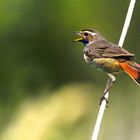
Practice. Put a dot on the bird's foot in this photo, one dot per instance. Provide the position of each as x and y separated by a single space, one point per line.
104 98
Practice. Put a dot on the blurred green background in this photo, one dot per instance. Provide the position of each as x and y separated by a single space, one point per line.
47 91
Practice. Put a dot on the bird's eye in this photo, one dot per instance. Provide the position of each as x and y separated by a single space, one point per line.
85 34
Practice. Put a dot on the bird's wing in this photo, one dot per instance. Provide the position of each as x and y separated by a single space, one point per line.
104 48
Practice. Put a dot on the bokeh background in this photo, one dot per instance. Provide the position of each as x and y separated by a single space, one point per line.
47 91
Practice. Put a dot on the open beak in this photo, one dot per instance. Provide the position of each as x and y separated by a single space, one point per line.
80 37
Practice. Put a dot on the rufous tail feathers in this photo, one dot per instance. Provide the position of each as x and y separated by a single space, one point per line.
132 69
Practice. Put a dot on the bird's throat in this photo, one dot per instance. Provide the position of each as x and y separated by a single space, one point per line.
85 42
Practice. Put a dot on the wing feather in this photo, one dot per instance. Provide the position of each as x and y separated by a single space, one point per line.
106 49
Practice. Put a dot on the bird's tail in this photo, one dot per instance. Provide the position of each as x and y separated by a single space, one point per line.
132 69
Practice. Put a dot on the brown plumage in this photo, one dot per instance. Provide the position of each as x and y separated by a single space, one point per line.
107 56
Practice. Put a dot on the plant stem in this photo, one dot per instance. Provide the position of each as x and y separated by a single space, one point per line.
121 41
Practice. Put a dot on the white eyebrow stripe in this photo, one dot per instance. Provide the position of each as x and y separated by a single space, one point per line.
93 34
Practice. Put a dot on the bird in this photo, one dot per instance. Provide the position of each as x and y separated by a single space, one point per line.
108 57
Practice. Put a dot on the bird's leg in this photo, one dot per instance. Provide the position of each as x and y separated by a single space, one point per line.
111 80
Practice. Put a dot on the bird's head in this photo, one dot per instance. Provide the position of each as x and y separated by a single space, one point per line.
86 36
